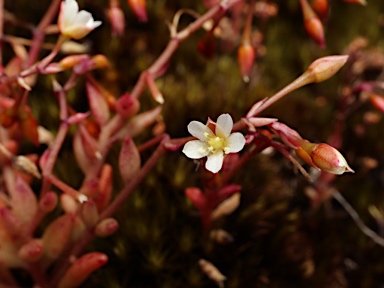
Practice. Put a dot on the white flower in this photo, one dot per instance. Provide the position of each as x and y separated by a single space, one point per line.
213 144
74 23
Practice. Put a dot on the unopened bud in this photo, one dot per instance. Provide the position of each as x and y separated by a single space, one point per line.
326 158
99 61
129 160
156 94
127 106
70 61
32 250
98 104
68 203
77 118
106 227
312 24
196 196
321 8
45 136
245 58
23 201
116 18
82 268
139 8
227 206
324 68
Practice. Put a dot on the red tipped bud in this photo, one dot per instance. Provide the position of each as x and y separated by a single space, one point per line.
57 234
139 8
312 24
326 158
129 160
106 227
32 250
321 8
116 18
82 268
246 55
127 106
377 101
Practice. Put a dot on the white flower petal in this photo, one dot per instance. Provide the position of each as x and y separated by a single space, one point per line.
71 8
93 24
224 125
82 18
215 162
195 149
198 130
235 143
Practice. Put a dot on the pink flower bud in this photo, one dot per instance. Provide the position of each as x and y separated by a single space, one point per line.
129 160
89 213
48 202
139 8
82 268
106 227
77 118
246 55
57 234
98 104
116 18
326 158
32 250
324 68
127 106
312 24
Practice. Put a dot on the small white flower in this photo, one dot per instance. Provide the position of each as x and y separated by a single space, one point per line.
213 144
74 23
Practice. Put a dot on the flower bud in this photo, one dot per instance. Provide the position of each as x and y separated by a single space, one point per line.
116 18
32 250
156 94
99 61
377 101
129 160
289 136
127 106
312 24
139 8
77 118
68 203
25 165
326 158
246 55
321 8
324 68
106 227
82 268
227 206
57 234
72 60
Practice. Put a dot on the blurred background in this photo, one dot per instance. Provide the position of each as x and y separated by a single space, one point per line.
280 238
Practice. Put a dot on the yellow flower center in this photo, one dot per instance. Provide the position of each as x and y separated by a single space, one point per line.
216 143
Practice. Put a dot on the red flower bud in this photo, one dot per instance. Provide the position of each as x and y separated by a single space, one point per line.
246 55
321 8
139 8
312 24
82 268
